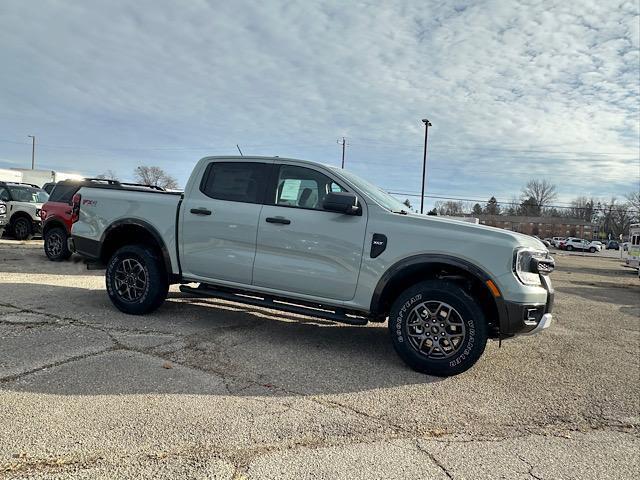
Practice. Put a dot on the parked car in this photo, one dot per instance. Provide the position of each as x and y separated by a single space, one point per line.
545 242
57 216
3 217
555 241
613 245
573 243
23 202
48 187
302 237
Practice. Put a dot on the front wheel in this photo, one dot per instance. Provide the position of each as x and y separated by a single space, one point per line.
136 279
55 244
22 229
592 250
569 247
437 328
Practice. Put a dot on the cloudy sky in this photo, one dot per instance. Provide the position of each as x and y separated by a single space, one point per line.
514 89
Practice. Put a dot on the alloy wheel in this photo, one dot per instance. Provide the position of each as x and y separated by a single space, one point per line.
130 280
436 329
21 229
54 245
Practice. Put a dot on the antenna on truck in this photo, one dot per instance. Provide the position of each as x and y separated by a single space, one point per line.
238 147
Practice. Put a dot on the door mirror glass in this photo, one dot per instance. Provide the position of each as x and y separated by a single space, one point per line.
342 202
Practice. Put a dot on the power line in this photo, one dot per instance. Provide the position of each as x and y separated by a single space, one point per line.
369 142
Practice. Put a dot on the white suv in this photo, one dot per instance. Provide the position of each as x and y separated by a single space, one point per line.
572 243
3 217
23 203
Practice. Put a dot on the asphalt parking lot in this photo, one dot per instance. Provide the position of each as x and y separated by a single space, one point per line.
209 389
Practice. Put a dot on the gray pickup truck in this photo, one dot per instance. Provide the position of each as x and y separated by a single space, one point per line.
302 237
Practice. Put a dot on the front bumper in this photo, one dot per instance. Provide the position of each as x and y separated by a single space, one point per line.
527 318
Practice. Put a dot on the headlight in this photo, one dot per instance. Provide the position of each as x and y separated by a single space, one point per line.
3 209
528 264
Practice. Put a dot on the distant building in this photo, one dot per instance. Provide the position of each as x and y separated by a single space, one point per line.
543 227
36 177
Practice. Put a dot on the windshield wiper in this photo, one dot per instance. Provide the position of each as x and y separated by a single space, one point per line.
402 212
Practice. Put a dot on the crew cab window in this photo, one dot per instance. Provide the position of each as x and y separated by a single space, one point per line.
63 193
235 181
303 187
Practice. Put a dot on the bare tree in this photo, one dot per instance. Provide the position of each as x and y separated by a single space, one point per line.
450 208
542 192
634 201
582 207
108 175
154 176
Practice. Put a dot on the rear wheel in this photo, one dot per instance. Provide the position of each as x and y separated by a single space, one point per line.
55 244
437 328
136 279
22 229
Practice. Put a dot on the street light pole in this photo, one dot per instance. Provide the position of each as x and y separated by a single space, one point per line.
33 151
427 124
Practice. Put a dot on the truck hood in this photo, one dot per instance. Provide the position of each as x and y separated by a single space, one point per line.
480 232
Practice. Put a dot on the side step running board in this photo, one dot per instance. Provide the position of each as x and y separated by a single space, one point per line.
274 303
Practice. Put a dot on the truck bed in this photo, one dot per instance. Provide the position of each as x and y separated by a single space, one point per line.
104 207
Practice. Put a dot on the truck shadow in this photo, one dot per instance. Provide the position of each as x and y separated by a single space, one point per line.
213 347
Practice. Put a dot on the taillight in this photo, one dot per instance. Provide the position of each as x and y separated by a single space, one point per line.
75 207
43 214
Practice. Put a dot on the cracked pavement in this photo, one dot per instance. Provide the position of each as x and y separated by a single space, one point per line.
210 389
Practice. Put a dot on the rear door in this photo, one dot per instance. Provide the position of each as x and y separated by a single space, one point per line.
301 248
220 221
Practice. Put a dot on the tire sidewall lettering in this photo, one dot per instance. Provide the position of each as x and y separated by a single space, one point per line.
468 347
401 314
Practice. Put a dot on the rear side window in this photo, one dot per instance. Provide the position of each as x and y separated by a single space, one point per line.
235 181
63 193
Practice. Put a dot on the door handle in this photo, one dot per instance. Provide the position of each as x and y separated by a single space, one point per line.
200 211
282 220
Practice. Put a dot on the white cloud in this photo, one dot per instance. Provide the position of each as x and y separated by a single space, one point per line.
117 78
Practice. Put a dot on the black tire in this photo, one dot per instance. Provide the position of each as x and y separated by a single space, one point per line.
592 249
22 228
55 244
569 247
126 267
472 327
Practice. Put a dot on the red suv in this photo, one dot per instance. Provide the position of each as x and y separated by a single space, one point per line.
56 219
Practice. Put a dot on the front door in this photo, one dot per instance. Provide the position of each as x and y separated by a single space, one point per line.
302 248
220 221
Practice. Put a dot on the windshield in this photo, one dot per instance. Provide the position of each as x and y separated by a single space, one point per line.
28 194
376 193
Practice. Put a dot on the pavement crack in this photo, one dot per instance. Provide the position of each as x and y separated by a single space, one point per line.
530 466
434 459
17 376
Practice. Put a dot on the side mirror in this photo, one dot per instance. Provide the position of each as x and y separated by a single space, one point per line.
342 202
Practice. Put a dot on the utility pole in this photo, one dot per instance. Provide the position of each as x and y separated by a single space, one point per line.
33 151
343 143
427 124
